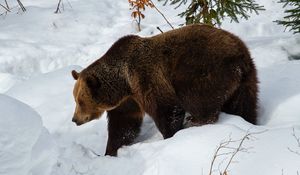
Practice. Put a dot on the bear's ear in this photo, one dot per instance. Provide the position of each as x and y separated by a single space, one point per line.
75 74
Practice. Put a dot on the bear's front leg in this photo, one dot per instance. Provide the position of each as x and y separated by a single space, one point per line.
124 124
169 119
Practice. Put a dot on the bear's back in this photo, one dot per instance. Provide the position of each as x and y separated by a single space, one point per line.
199 48
200 40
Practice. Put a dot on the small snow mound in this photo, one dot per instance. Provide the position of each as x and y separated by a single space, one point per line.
22 138
7 81
280 94
44 86
54 100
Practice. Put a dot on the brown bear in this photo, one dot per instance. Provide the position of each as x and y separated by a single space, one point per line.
197 69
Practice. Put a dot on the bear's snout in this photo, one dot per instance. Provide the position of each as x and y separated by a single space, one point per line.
76 121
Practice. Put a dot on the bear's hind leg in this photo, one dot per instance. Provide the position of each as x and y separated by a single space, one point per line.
244 100
124 124
192 120
169 119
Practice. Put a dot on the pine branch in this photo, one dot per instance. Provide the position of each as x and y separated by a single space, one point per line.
213 12
292 20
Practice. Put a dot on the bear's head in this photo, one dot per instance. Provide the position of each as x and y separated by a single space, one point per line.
95 94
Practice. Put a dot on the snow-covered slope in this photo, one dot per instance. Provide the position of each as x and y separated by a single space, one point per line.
26 146
38 49
41 41
280 94
47 92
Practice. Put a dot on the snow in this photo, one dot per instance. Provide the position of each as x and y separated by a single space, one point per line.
26 146
45 93
280 94
38 50
7 80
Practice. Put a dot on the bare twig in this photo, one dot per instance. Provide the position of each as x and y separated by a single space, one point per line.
224 145
159 29
94 153
86 150
236 151
296 137
139 20
61 5
58 7
161 14
6 4
7 9
21 5
69 4
221 145
293 151
4 13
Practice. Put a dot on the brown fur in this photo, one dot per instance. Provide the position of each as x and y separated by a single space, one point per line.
196 69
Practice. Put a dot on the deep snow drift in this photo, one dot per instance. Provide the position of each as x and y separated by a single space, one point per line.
26 146
38 50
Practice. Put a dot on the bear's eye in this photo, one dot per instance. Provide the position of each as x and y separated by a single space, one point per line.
80 103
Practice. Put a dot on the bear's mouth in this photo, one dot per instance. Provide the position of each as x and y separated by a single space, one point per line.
78 123
94 116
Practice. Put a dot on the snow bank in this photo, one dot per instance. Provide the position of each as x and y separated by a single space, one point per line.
79 35
191 151
280 94
7 81
25 145
50 94
38 49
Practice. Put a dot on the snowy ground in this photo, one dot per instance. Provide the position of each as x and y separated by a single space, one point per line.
38 49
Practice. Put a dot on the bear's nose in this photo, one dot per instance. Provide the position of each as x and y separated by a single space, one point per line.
74 120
